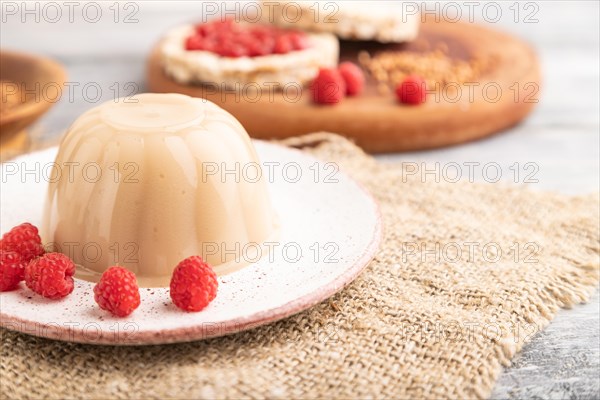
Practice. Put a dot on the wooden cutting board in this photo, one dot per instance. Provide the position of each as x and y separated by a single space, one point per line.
504 94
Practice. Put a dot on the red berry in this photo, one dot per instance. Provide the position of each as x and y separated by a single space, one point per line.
353 76
25 240
233 50
412 90
12 270
195 43
283 45
299 40
50 275
268 43
328 87
256 49
117 291
229 39
193 284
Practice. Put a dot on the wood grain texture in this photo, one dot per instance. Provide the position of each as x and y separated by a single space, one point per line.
562 362
377 122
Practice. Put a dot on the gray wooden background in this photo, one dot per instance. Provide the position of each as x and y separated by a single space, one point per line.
561 138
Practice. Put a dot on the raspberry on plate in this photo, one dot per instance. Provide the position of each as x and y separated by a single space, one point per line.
50 275
354 78
12 270
193 284
411 90
117 291
328 87
25 240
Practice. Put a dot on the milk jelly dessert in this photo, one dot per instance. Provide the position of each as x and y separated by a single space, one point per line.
147 181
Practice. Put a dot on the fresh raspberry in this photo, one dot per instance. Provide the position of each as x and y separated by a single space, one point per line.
228 39
25 240
412 90
283 45
117 291
354 78
50 275
299 40
257 49
328 87
195 43
193 284
12 270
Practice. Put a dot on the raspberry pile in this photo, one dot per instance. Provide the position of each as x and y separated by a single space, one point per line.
333 84
193 284
228 39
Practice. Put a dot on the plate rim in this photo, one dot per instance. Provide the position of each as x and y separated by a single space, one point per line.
225 328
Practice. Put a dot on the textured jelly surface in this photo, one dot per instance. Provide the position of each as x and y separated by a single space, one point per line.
147 189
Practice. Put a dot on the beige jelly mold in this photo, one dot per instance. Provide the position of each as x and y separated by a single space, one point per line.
147 181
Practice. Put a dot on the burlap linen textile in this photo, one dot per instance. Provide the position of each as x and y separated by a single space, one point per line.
410 326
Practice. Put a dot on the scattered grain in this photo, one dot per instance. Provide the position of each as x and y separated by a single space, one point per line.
389 68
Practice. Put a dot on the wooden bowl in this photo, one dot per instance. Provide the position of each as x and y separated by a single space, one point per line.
40 82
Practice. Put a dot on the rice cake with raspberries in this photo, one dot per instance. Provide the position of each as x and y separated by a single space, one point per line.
375 120
381 21
246 64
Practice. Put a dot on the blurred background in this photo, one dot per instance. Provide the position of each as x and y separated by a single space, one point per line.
110 54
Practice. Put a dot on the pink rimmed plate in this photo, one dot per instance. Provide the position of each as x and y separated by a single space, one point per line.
330 231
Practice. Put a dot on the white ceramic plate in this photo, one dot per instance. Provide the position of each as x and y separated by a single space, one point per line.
330 231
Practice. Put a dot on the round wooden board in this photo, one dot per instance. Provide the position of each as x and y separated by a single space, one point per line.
505 93
273 287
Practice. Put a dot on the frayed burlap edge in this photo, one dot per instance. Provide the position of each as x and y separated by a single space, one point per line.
575 286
